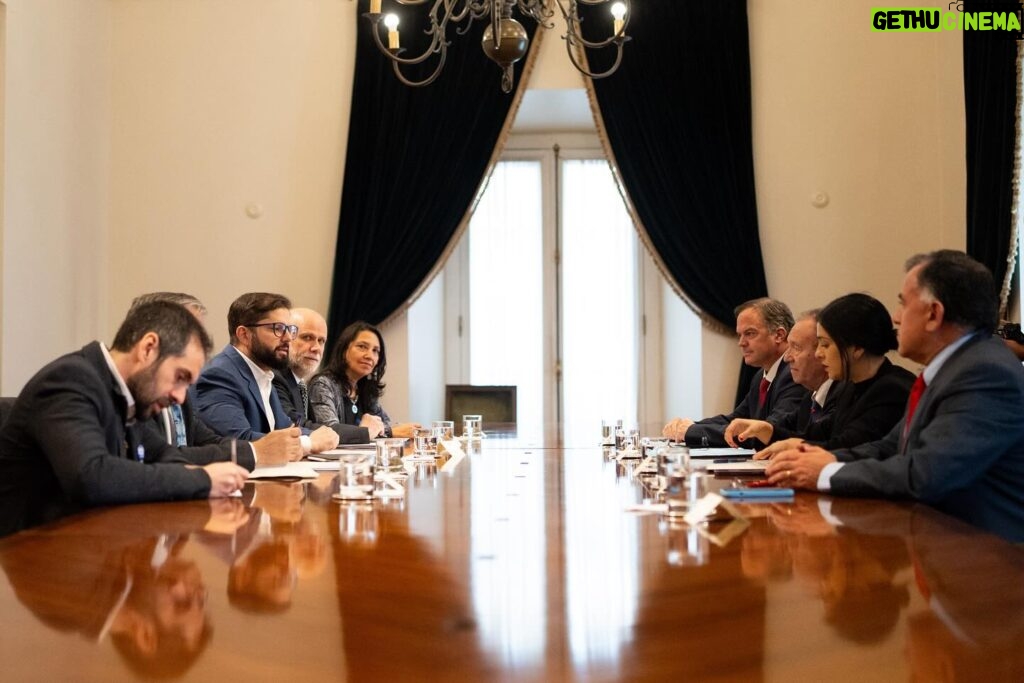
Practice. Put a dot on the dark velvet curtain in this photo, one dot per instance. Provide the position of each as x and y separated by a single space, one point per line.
677 116
414 161
990 96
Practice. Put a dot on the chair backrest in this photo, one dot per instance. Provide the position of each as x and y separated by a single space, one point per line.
496 403
6 403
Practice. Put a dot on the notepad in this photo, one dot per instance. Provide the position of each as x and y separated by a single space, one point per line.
747 467
345 449
300 470
721 452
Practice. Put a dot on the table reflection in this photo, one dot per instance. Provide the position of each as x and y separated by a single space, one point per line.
136 590
518 564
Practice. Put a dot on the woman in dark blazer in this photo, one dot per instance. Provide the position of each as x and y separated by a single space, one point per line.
855 332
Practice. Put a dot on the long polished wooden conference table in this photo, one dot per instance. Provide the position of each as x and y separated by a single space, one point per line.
522 563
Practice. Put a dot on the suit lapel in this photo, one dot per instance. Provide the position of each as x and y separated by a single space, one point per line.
254 389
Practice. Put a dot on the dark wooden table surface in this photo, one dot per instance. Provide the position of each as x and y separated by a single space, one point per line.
521 564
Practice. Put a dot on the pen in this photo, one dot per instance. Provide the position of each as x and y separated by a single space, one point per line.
234 451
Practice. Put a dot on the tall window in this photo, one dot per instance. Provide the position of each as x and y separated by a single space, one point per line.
599 295
505 287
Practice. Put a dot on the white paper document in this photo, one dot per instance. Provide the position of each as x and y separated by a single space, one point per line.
721 452
750 466
302 470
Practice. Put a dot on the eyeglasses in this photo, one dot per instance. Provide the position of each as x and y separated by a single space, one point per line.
279 329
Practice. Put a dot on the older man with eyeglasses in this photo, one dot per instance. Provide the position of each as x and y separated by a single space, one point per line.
235 393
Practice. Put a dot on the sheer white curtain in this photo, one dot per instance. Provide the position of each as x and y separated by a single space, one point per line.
599 303
506 287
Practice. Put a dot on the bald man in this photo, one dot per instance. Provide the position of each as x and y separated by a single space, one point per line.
304 356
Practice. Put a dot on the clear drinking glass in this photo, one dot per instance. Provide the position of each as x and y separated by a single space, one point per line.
389 454
607 432
444 430
355 476
472 426
425 443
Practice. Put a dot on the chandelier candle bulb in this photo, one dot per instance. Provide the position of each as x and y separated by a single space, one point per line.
391 21
374 6
619 12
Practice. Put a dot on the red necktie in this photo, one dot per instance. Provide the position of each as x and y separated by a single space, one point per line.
762 393
915 396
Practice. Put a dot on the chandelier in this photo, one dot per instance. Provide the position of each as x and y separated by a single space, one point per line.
504 40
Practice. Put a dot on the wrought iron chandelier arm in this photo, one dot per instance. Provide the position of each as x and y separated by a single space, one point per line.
537 10
592 74
575 36
426 81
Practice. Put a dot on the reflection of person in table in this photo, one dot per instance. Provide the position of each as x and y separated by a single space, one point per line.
973 623
140 592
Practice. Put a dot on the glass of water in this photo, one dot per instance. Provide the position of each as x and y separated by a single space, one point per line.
444 430
389 454
425 443
472 427
355 476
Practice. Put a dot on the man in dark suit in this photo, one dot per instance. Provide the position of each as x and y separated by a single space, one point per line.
72 439
235 394
807 371
762 326
179 426
960 446
304 356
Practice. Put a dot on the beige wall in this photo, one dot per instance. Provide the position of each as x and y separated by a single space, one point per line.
225 106
56 181
138 133
876 121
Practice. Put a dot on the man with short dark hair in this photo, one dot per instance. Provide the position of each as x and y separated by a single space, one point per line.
762 326
960 446
235 395
304 356
181 427
71 440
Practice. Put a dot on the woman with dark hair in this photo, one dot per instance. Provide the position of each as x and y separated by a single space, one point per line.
855 332
349 388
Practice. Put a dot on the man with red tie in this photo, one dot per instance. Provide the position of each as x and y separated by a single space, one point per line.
762 326
960 446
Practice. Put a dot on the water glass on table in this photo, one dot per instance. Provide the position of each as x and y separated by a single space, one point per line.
355 476
389 454
444 430
472 427
425 443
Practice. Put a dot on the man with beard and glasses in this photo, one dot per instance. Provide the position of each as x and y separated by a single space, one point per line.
72 440
180 426
235 395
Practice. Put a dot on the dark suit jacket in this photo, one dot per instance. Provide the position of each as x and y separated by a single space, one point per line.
228 399
65 446
795 423
867 410
197 434
784 396
291 400
965 446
